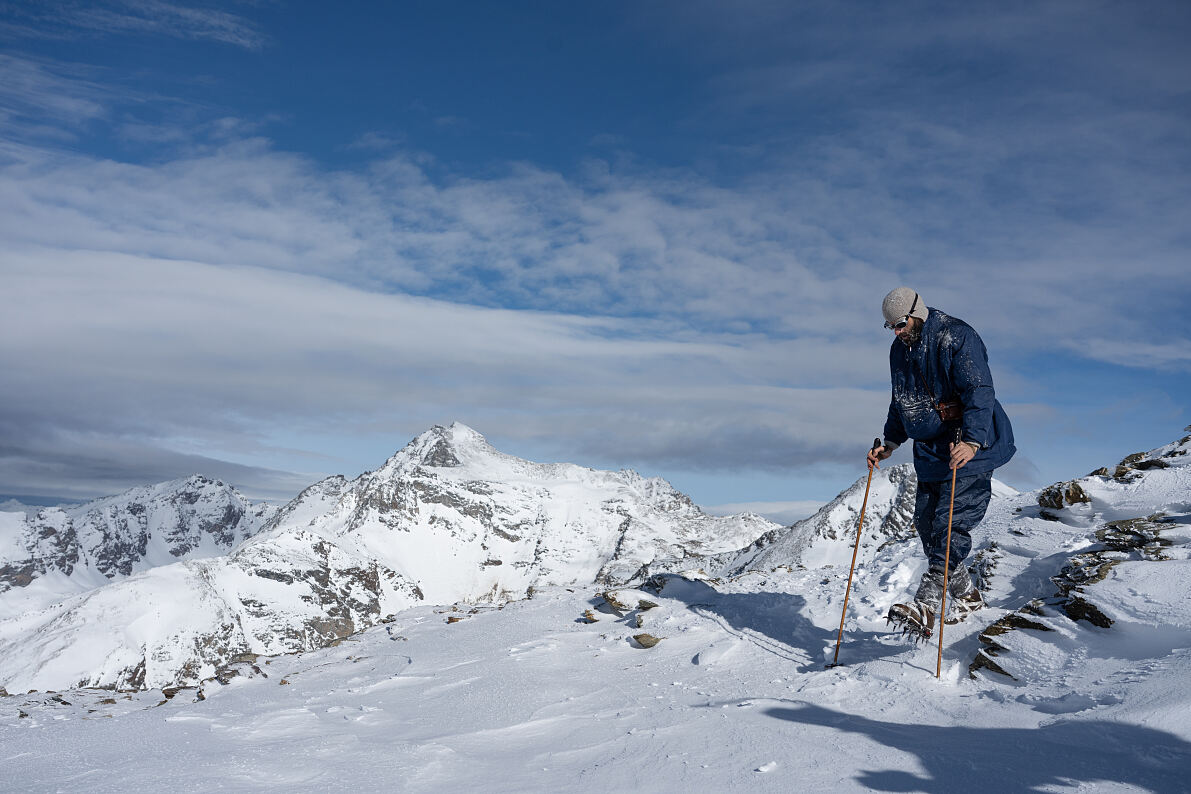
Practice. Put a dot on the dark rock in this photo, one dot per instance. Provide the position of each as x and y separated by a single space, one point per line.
1063 493
440 455
276 576
1078 608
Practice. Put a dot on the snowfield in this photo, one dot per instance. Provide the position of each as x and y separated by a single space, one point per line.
1074 678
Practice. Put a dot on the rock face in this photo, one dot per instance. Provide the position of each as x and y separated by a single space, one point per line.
446 519
141 529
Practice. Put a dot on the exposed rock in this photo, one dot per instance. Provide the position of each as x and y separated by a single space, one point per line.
1118 541
1063 493
617 606
646 640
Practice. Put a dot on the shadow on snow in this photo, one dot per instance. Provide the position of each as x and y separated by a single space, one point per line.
776 622
1060 754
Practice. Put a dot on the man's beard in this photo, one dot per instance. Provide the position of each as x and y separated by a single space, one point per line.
912 335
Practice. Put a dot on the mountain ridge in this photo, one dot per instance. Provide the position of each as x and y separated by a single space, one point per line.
447 518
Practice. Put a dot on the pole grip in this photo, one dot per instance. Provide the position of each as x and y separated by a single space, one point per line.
876 443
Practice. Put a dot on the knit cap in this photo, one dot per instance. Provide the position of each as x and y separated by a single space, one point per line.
903 301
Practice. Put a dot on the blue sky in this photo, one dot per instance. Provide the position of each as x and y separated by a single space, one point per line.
271 241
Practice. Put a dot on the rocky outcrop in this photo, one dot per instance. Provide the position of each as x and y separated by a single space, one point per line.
1130 540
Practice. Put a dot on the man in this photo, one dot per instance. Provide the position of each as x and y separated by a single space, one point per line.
943 398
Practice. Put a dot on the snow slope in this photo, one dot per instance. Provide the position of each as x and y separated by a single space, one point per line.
532 696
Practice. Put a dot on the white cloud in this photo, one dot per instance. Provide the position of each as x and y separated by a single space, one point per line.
1139 353
238 302
108 349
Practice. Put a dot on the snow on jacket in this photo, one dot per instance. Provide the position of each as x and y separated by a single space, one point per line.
948 363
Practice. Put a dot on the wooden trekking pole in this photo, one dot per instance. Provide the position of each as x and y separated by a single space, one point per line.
947 563
863 505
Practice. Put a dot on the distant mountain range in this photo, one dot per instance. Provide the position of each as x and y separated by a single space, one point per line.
171 585
165 585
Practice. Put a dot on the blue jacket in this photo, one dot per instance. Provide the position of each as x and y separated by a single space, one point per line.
948 363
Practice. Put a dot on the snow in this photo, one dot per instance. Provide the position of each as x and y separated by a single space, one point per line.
11 525
530 696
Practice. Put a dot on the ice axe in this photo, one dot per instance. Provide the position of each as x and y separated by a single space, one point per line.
863 505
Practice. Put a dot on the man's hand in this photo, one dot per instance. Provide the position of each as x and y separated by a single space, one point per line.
961 453
876 455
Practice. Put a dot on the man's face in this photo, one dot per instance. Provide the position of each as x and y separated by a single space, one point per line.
911 332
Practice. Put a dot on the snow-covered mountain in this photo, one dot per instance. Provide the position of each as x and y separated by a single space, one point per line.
447 519
812 542
60 551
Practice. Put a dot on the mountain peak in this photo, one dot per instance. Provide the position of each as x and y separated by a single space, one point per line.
446 447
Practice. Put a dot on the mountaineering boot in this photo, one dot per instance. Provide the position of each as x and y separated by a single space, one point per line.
962 596
918 618
961 606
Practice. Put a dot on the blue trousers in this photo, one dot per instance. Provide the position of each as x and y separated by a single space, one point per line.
931 505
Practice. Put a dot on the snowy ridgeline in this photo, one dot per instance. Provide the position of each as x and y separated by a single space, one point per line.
1074 677
95 596
166 586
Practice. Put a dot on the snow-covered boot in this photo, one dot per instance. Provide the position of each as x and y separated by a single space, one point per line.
918 618
964 605
962 596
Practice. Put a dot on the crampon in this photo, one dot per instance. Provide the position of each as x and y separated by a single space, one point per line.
915 620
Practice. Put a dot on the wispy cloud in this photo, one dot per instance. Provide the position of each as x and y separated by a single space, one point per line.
1138 353
66 19
35 94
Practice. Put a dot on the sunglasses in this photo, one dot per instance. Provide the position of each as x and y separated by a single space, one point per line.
903 322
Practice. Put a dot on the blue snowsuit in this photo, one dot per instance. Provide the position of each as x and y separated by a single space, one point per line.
948 363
